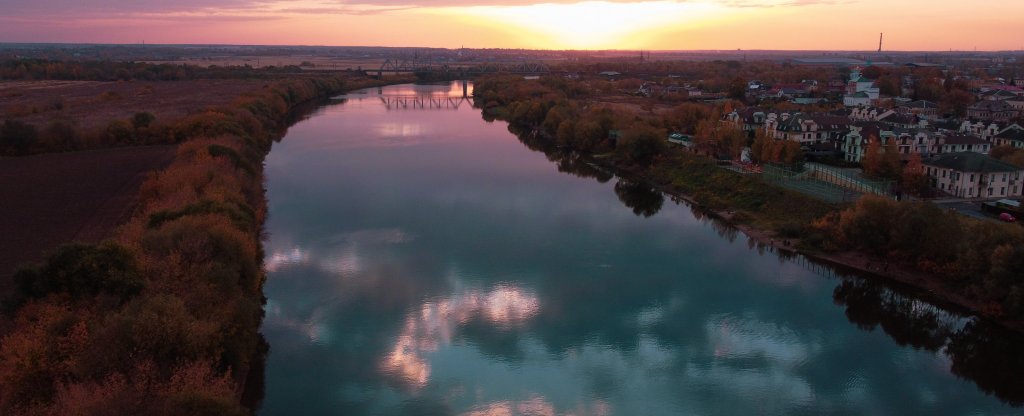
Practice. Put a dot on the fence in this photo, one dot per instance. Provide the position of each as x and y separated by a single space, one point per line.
827 183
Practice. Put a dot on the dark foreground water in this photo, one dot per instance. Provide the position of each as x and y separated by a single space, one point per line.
425 261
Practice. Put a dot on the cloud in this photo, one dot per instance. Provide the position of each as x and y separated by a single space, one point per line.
41 9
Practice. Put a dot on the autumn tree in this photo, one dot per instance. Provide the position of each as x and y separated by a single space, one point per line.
872 159
913 178
641 143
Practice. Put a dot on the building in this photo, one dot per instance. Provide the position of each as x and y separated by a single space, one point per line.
961 143
1010 136
974 175
998 110
921 108
807 128
860 91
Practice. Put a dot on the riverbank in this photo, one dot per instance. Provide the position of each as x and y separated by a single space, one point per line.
164 317
900 275
782 219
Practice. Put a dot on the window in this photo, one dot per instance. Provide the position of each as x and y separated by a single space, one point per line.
1002 191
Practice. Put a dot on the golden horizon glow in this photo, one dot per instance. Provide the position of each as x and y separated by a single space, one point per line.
918 25
592 24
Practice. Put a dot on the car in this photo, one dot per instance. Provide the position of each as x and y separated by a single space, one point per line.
1006 216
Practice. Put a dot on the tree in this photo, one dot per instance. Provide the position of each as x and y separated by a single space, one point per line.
641 143
891 165
956 102
913 178
142 120
872 72
872 160
761 146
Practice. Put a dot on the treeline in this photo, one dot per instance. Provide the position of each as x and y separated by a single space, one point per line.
18 138
109 70
163 319
981 260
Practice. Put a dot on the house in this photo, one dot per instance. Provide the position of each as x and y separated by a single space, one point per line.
961 143
855 142
996 95
1010 136
905 121
1017 102
982 129
973 175
806 128
998 110
922 108
748 119
866 113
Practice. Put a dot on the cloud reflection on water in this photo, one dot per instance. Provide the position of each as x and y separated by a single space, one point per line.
435 324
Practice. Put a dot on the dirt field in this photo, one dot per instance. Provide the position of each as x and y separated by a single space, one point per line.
47 200
319 62
93 104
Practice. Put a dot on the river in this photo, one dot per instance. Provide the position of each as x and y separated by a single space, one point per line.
422 260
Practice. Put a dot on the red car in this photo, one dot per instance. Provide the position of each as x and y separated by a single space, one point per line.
1007 217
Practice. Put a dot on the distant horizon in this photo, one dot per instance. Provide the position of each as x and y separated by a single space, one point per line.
282 45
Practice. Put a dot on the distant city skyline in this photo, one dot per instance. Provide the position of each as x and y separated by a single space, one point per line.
917 25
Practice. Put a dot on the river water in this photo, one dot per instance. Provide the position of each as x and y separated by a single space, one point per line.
422 260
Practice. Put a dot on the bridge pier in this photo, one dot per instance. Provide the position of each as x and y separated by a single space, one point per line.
465 88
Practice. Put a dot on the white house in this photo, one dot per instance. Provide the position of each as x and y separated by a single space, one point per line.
974 175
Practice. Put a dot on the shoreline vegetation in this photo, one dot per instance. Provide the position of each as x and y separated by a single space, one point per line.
164 317
976 266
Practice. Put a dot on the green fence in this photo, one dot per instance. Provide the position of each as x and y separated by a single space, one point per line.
824 182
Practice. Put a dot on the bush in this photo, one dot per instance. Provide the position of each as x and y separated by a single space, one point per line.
17 137
81 270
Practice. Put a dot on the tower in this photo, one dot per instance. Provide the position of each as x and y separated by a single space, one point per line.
880 43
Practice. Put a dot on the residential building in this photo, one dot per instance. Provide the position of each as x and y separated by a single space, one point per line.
974 175
961 143
1013 136
998 110
921 108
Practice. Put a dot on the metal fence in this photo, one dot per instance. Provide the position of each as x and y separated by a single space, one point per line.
824 182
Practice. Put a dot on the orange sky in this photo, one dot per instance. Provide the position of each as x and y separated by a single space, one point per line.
561 24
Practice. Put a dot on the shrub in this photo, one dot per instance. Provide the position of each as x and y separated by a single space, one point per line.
17 136
81 270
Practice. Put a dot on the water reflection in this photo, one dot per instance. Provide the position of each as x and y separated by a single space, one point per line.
978 350
465 274
436 322
642 198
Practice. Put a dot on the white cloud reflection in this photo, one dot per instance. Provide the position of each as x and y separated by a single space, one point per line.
435 323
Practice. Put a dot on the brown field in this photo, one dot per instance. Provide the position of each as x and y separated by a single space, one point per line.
47 200
319 62
93 104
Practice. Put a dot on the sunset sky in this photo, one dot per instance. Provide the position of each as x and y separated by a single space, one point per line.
559 24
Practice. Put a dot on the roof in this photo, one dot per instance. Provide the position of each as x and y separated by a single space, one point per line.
989 105
1012 134
964 139
920 104
970 162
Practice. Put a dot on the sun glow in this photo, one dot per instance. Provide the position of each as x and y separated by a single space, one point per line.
593 25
